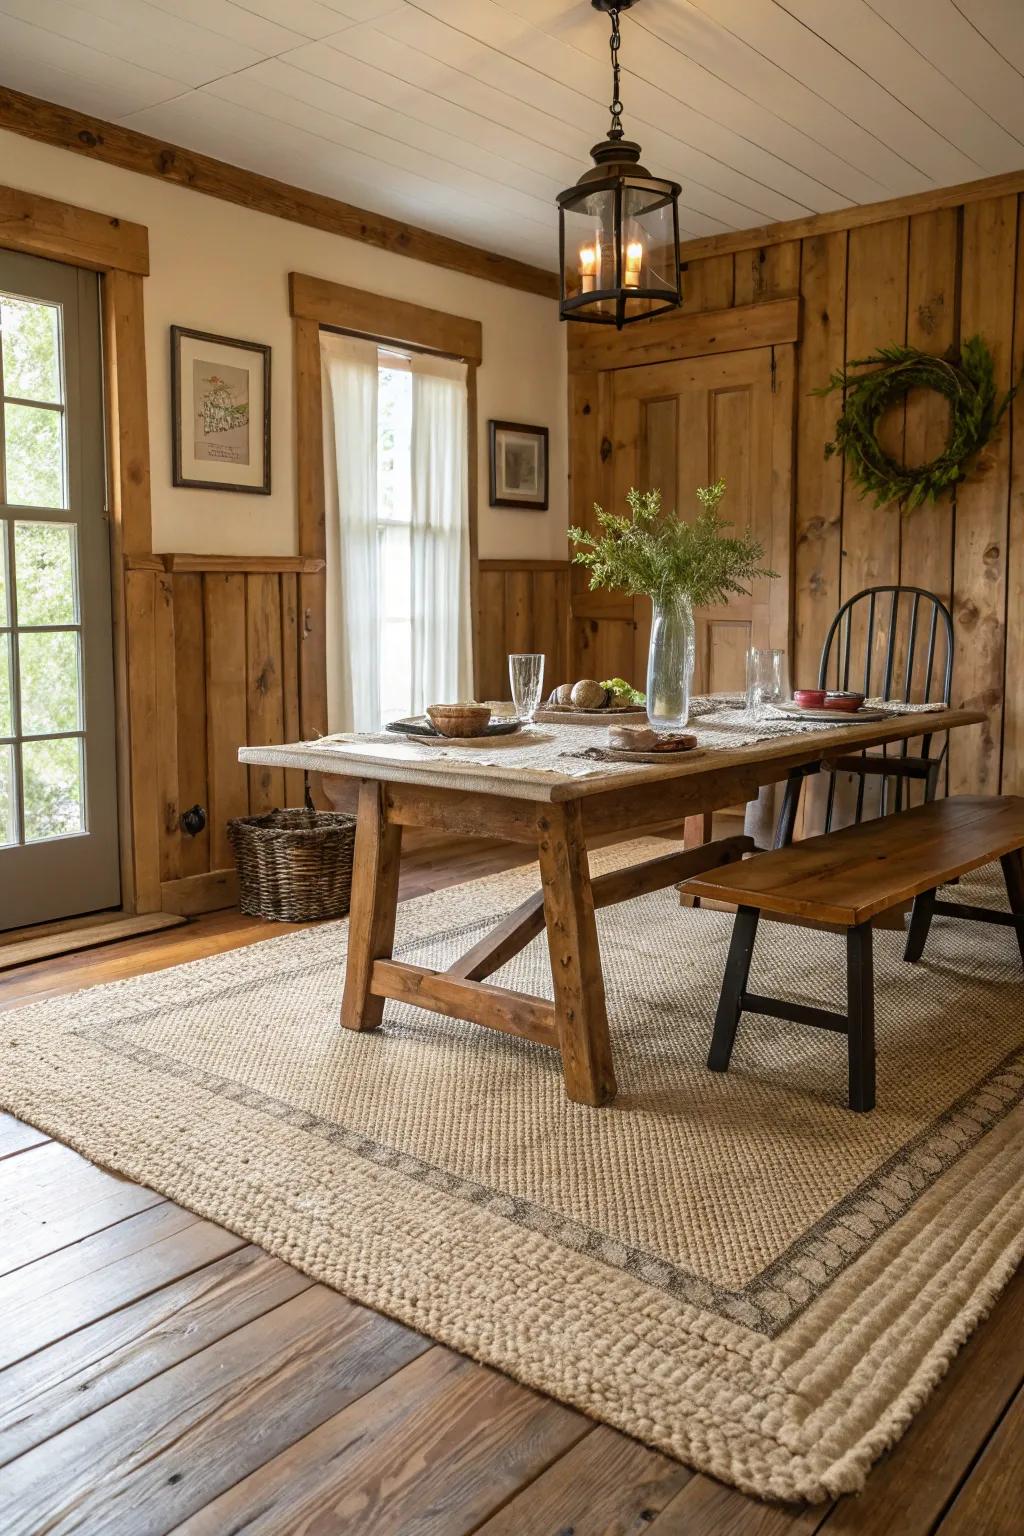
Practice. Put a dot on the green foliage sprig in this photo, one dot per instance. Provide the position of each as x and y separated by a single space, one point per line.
666 558
967 381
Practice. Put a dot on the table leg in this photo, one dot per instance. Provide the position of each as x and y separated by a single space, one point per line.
580 1015
371 936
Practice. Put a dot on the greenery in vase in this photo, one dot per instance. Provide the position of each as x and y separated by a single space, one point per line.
664 558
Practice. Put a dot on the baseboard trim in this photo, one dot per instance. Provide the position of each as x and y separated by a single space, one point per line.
194 894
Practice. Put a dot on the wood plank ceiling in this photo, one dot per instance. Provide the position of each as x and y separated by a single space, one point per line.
467 116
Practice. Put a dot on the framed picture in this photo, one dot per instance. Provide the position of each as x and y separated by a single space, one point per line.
519 466
220 412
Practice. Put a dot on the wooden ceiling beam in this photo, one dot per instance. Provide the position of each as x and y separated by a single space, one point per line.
1011 182
130 151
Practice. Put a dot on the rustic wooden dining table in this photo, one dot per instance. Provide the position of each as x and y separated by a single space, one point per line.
556 810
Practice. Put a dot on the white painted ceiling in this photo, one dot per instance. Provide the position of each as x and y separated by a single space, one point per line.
467 116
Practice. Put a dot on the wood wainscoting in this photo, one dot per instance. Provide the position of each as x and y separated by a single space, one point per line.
220 638
521 605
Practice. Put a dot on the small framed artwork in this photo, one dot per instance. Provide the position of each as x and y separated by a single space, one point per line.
220 412
519 466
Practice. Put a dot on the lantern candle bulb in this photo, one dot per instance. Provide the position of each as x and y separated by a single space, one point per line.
634 261
588 268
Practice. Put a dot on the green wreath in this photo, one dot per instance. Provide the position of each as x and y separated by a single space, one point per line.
968 382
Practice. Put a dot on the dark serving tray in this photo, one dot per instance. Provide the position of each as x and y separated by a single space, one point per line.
419 725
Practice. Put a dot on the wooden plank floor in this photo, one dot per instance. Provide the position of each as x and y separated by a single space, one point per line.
159 1374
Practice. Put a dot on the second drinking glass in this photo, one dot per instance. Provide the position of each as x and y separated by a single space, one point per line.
526 675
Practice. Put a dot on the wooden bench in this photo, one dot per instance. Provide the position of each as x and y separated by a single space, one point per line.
846 879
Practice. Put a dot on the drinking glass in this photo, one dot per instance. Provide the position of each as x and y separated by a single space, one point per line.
782 693
526 674
760 682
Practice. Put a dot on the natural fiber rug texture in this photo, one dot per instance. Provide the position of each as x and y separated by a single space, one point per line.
733 1268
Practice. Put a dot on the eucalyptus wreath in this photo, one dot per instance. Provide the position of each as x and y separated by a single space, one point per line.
968 382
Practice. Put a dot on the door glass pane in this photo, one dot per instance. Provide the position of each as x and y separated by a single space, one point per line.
31 350
6 721
3 575
35 456
44 563
8 827
52 773
48 663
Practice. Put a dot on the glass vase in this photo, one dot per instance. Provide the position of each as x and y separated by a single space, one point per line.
670 664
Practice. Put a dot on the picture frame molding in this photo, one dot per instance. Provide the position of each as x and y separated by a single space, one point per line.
493 428
178 479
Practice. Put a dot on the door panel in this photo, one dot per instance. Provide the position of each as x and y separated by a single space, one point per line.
58 816
680 425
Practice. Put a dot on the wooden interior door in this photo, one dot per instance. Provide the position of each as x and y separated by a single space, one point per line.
679 425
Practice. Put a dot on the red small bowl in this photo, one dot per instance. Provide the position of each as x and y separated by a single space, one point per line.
809 698
847 701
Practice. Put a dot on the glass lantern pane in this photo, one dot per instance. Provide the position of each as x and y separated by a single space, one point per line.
588 226
648 232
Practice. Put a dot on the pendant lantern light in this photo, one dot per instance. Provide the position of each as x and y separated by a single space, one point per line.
618 227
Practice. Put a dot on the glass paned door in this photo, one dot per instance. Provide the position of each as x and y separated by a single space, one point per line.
58 817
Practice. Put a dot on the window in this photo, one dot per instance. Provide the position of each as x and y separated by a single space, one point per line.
396 443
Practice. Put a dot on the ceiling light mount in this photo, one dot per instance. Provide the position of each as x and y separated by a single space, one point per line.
618 227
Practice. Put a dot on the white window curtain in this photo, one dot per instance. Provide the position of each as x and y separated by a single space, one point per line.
442 631
441 641
350 453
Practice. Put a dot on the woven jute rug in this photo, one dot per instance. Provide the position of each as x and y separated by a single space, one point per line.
735 1268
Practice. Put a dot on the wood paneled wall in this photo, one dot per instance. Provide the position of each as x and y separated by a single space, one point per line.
522 605
220 638
930 278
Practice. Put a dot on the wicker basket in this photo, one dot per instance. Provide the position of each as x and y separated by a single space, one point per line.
294 866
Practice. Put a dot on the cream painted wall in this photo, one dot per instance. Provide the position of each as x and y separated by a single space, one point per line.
217 267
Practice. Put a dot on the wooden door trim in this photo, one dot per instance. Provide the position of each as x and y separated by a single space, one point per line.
119 251
676 336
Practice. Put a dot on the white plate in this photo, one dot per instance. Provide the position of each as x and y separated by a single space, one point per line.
836 716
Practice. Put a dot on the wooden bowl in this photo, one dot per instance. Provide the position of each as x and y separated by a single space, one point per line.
809 698
468 719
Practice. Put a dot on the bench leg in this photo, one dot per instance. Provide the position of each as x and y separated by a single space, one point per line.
734 984
860 981
1013 874
920 923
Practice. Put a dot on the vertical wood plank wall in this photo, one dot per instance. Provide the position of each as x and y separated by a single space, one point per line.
931 278
223 651
522 605
222 646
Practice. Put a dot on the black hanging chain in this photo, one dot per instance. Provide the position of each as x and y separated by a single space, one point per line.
615 132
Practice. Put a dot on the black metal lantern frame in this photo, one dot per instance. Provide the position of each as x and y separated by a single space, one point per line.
622 203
